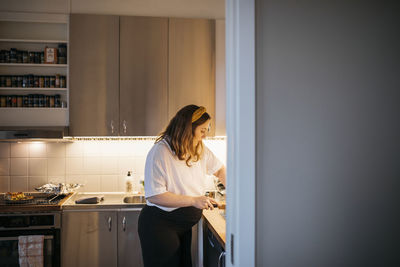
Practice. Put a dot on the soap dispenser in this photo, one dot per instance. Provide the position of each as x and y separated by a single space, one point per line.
129 183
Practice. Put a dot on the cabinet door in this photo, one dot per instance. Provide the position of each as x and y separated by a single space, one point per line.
192 65
213 252
94 75
129 249
89 238
143 75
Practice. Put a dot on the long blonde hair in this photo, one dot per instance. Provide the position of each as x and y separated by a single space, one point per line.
180 132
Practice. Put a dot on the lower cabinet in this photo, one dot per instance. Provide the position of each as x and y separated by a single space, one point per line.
100 238
213 250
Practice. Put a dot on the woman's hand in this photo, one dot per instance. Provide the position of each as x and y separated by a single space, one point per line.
203 202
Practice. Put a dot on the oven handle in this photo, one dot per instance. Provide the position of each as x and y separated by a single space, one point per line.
9 238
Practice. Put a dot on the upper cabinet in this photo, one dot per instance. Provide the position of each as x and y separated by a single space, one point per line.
94 61
143 75
130 75
33 69
191 66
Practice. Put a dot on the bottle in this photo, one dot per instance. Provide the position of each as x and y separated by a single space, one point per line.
129 183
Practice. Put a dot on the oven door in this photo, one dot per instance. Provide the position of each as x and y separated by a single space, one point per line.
9 246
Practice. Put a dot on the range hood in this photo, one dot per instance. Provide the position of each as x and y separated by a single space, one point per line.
32 134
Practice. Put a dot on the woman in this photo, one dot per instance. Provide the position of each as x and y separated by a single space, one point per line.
174 184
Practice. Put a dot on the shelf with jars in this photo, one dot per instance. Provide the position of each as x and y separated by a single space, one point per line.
34 69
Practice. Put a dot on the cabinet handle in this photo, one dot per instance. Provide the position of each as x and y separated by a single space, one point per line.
124 126
124 224
109 223
221 256
112 126
211 243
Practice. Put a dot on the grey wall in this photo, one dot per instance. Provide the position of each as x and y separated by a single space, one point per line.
328 135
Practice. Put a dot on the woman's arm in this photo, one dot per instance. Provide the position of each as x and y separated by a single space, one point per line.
221 174
172 200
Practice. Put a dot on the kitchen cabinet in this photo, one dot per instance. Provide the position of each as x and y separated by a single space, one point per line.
191 65
28 97
143 75
130 75
101 238
118 75
89 238
129 249
213 250
94 75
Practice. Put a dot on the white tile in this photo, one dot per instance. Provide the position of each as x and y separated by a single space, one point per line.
126 148
125 164
138 165
74 179
4 184
91 183
18 183
109 149
109 183
121 183
37 167
5 150
19 150
74 149
56 179
56 166
37 150
92 165
74 166
92 148
141 148
36 181
56 150
5 166
19 166
109 165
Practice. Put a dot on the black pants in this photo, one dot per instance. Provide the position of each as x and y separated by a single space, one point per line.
166 237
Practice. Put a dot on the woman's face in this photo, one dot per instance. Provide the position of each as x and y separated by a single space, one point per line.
201 131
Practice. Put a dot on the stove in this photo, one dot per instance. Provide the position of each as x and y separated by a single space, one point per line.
36 202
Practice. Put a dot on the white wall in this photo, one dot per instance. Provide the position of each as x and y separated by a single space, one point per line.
100 165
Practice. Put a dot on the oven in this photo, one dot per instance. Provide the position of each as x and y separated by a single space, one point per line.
13 225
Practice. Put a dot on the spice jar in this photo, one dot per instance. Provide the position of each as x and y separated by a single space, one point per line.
52 81
3 101
31 57
63 82
2 81
8 81
51 101
57 101
47 81
25 101
57 84
19 101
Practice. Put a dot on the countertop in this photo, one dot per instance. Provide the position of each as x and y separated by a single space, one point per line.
112 200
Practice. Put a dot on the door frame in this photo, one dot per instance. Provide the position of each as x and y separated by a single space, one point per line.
241 132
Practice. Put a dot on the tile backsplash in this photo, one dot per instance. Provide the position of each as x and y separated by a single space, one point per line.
99 165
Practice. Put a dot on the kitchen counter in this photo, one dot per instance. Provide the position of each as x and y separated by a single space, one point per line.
217 223
112 200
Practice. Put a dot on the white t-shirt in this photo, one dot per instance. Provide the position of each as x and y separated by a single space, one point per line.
164 172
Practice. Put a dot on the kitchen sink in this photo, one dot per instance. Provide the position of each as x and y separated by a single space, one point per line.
135 199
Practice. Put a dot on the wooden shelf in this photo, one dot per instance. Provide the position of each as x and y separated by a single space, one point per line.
34 41
31 89
33 65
